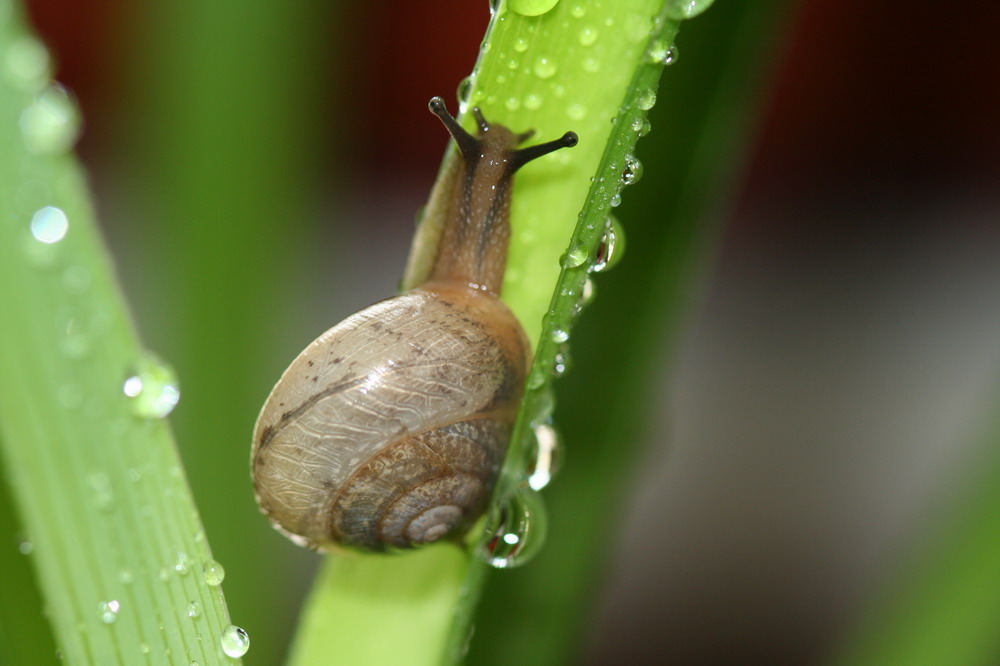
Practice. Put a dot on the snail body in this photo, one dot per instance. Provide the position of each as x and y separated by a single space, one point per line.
390 428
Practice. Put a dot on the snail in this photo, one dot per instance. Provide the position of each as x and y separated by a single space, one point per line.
388 431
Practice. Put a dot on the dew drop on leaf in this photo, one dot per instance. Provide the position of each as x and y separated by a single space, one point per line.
235 641
516 530
151 387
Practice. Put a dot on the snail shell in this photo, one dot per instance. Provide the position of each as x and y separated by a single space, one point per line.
389 429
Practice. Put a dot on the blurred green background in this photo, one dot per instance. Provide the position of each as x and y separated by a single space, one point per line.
810 400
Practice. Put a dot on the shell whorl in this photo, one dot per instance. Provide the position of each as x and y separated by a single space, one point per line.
389 429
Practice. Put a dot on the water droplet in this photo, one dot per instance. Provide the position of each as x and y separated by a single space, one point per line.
25 546
235 641
545 68
559 336
51 124
182 564
144 648
646 99
576 111
611 248
214 573
516 530
532 7
532 102
535 379
521 45
685 9
27 63
494 5
591 65
164 574
662 53
513 64
574 257
152 388
587 35
545 457
194 609
462 93
646 128
586 296
512 104
108 611
636 124
49 225
616 200
632 171
578 11
560 364
125 577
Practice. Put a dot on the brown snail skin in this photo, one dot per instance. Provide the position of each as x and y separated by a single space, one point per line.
388 431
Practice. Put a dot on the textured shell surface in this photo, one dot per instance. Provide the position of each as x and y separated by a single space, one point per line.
390 427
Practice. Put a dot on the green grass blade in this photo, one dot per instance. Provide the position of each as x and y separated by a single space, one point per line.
116 542
691 157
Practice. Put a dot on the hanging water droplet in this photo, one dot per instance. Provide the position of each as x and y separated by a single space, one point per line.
560 363
679 10
108 611
545 68
575 257
516 530
235 641
26 63
632 171
611 248
559 336
214 573
616 200
545 456
646 99
587 35
152 388
182 564
586 296
194 610
536 378
532 7
52 123
662 53
462 93
49 225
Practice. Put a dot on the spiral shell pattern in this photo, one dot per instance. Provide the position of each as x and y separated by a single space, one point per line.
390 428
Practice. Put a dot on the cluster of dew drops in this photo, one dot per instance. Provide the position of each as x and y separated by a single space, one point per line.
49 126
515 528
